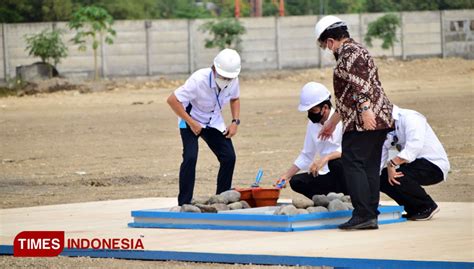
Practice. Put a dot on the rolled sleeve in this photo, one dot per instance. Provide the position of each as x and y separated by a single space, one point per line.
306 156
236 90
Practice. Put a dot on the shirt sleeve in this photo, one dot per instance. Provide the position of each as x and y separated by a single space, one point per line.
236 91
358 77
415 130
306 156
337 137
188 91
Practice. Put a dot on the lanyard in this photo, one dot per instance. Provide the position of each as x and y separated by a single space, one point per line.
215 92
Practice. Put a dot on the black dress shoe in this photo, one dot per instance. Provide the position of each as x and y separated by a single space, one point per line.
407 215
358 223
426 214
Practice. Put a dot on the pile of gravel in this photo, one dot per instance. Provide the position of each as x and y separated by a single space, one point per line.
228 200
320 203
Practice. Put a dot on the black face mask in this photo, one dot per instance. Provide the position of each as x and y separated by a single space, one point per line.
315 117
336 55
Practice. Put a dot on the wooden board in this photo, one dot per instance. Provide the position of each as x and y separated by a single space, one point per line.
429 244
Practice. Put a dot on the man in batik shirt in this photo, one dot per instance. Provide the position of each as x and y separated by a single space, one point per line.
366 114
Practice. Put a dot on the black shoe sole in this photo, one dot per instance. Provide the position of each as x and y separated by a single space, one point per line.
426 218
361 226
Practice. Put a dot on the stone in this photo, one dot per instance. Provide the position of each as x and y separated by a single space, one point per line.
235 206
277 210
332 196
220 207
350 206
346 199
317 209
206 208
320 200
175 209
337 205
302 202
218 199
288 210
190 208
231 196
301 211
245 204
202 200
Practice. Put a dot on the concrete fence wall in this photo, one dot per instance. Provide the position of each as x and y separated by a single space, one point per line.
144 48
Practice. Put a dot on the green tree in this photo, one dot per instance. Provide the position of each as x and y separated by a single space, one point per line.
384 28
226 33
48 46
380 6
56 10
93 23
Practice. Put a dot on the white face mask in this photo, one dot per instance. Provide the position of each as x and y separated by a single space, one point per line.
327 55
222 83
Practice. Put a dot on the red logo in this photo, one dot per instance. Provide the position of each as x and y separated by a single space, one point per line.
38 244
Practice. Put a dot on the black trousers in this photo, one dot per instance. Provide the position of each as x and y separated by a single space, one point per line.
409 193
361 157
223 149
308 185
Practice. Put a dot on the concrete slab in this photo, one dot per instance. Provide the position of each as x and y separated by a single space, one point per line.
444 242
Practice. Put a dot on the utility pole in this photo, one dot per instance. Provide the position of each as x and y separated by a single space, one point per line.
237 9
256 8
281 8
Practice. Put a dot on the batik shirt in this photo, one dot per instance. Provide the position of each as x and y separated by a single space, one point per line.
356 81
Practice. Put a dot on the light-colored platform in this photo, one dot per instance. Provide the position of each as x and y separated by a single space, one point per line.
448 237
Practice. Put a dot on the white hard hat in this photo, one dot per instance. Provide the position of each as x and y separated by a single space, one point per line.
227 63
312 94
324 24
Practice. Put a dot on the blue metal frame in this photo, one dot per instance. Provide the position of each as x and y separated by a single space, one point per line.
280 219
354 263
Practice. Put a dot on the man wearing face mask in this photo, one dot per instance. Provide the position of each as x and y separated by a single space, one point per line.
198 104
366 114
321 159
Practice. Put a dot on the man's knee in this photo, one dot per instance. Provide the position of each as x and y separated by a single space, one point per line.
190 157
296 183
228 158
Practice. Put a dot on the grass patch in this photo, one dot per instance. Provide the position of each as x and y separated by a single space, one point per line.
5 92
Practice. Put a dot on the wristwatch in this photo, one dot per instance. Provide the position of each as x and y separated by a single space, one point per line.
391 163
364 108
236 121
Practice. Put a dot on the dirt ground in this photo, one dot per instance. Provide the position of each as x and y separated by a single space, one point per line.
68 147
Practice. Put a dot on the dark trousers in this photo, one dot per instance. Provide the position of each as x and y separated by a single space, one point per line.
409 193
361 157
220 146
308 185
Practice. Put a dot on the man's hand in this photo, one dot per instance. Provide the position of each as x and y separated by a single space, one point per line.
316 166
368 117
231 130
195 127
393 175
327 130
283 179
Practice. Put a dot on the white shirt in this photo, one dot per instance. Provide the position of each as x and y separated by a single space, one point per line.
200 90
417 140
314 146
